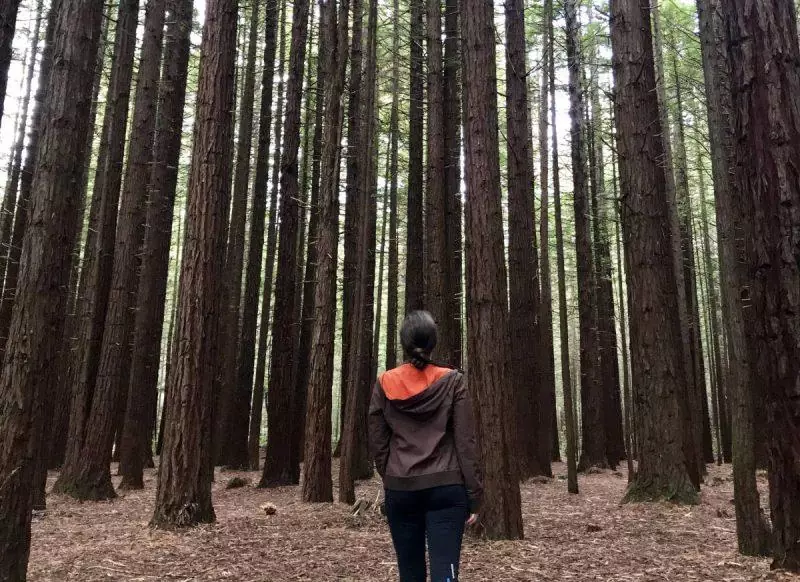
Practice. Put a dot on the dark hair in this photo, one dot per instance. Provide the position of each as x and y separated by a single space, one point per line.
418 335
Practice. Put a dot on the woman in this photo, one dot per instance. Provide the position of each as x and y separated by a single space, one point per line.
423 444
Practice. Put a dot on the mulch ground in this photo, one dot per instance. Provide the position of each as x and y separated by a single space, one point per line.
585 537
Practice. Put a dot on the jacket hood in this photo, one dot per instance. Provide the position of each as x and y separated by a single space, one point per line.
418 393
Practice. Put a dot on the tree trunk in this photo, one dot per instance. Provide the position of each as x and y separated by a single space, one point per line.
99 266
318 484
27 381
566 375
487 307
687 400
162 179
523 261
254 438
278 468
8 24
762 36
394 135
183 497
734 275
415 230
234 399
592 397
658 377
454 291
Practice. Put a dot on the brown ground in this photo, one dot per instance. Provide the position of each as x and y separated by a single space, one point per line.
589 537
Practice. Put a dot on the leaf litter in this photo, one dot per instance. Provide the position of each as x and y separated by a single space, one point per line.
586 537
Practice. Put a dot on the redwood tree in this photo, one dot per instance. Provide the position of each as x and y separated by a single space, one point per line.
487 307
152 291
183 497
655 329
27 378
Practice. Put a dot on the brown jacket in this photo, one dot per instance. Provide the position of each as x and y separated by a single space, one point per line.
421 431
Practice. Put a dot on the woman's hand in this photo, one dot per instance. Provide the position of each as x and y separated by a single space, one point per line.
473 519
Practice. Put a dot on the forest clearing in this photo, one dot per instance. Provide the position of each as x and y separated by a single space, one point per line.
591 537
530 267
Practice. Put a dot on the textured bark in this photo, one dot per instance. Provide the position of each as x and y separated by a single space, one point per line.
233 407
523 261
394 260
74 478
454 290
547 403
415 230
254 438
8 24
352 217
162 179
318 484
592 398
278 468
658 376
734 276
487 307
566 374
763 52
691 443
436 257
27 380
183 496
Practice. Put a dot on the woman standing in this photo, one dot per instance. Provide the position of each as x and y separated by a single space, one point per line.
423 444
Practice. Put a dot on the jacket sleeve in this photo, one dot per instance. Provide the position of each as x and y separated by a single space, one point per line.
379 432
466 446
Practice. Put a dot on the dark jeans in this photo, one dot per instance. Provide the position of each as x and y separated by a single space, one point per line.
439 514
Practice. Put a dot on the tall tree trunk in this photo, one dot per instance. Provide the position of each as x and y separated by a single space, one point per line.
663 470
566 374
99 264
592 398
254 438
318 484
278 468
454 291
436 258
394 260
523 261
352 219
161 182
692 448
94 477
487 307
763 44
415 230
183 497
234 402
734 275
8 23
27 380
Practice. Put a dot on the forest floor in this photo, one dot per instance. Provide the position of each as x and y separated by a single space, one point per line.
585 537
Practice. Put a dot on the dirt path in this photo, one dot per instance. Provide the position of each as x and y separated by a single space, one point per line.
589 537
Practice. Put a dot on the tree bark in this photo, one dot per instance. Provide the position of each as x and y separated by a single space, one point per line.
763 49
278 468
162 179
318 484
99 266
254 438
183 497
658 376
27 379
487 307
8 24
234 399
